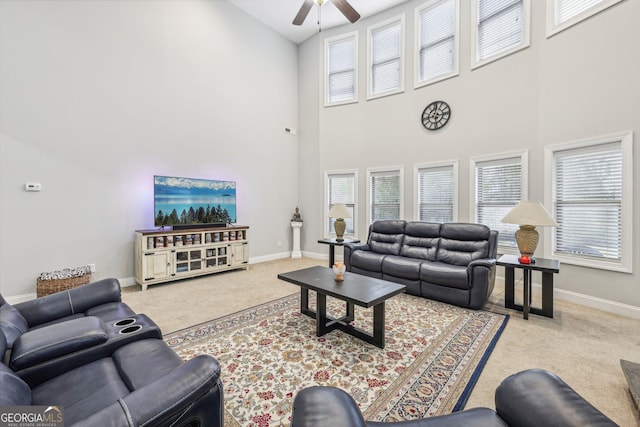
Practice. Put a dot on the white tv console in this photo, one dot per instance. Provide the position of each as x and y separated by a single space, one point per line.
165 255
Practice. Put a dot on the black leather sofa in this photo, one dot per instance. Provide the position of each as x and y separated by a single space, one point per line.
452 262
88 352
531 398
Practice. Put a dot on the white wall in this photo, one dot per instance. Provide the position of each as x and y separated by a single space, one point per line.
581 83
98 96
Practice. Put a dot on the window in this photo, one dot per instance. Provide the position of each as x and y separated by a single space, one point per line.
501 28
385 193
562 14
437 29
340 187
341 59
437 192
386 65
500 183
591 196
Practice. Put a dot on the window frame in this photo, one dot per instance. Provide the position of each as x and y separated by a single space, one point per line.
417 83
398 19
327 42
372 171
554 28
418 167
524 185
626 145
477 62
327 175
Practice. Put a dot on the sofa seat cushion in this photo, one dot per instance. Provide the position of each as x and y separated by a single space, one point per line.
405 268
367 260
440 273
82 391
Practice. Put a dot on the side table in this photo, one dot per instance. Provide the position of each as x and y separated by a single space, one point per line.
548 267
332 247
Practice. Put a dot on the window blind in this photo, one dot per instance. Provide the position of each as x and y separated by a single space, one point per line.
341 189
588 201
500 26
498 190
436 194
437 33
386 57
341 70
385 195
567 9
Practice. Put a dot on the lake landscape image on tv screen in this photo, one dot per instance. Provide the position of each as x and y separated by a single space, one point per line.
187 201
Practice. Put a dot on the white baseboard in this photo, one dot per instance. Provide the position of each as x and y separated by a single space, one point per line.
599 303
272 257
315 255
15 299
590 301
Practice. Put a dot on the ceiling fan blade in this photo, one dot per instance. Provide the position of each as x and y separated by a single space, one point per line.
303 12
347 10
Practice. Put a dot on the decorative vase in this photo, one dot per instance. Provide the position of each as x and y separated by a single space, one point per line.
339 268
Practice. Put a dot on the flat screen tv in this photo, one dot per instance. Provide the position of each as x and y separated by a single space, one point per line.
189 202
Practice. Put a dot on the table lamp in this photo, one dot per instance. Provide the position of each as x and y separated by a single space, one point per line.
339 211
528 215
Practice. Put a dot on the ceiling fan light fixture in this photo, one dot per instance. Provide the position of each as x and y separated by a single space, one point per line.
319 2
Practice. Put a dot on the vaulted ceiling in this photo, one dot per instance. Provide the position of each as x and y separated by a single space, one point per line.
279 14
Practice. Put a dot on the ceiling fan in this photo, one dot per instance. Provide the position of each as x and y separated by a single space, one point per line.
343 6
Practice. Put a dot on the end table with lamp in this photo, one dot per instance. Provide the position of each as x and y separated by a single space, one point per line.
529 214
332 247
339 211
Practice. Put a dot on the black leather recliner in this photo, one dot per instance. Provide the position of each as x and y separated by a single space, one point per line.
88 352
101 299
531 398
141 383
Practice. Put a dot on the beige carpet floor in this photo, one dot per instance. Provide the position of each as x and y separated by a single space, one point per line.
580 344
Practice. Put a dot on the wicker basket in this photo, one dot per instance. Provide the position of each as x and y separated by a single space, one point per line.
57 281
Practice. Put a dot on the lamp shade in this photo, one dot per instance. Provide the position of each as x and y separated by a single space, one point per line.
339 210
530 213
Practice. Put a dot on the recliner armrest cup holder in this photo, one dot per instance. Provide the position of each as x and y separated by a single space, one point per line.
125 322
130 329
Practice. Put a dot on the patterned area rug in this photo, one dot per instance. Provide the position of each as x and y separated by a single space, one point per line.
433 355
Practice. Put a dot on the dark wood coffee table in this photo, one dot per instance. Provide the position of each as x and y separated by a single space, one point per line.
354 290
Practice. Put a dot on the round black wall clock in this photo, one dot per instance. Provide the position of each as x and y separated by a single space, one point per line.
436 115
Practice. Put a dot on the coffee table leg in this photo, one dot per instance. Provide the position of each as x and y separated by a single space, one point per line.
321 314
350 313
378 325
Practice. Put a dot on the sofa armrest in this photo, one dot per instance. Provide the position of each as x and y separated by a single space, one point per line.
480 271
168 399
325 406
53 341
540 398
350 248
67 303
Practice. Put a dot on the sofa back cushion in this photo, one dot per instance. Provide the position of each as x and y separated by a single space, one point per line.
421 240
462 243
385 236
12 323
